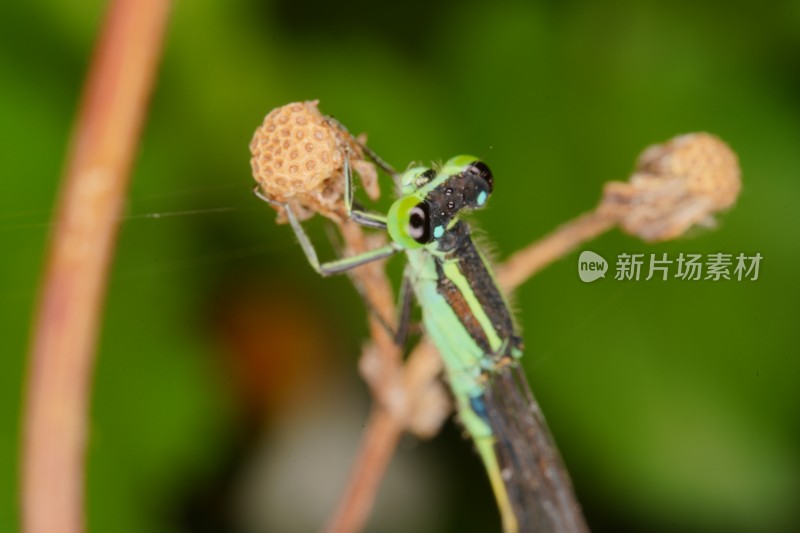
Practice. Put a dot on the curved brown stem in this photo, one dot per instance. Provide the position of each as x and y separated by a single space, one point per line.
104 142
550 248
375 452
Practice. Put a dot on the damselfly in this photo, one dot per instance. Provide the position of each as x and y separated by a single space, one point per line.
467 317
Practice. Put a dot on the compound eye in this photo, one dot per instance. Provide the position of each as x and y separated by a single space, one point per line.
419 227
481 169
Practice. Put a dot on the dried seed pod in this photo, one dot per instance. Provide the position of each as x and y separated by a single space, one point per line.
677 185
298 157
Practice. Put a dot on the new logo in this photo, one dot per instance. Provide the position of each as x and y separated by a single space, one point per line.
591 266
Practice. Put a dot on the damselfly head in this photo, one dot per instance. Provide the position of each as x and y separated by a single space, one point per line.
433 199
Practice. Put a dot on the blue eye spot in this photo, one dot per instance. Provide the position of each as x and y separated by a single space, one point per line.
438 231
482 198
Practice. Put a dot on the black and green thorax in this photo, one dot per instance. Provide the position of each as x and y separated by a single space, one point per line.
466 282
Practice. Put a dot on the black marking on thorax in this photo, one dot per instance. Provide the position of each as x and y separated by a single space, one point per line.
458 246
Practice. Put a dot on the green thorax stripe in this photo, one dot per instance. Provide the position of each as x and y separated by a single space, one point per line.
466 282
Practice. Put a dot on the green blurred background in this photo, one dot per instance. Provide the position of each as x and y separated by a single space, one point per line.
226 393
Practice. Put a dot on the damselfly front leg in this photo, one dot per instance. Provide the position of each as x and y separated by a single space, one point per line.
339 266
329 268
360 216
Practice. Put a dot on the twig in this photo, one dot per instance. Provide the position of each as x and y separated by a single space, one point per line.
530 260
381 367
300 160
62 352
382 432
677 185
378 442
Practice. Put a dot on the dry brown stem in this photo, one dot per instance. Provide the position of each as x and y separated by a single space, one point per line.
298 160
381 367
550 248
65 331
676 185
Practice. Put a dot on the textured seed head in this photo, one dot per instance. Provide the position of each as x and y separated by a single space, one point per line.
298 157
676 185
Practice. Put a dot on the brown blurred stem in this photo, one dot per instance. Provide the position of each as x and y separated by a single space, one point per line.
104 142
381 367
533 258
